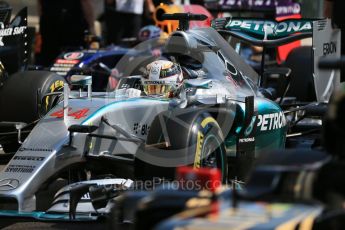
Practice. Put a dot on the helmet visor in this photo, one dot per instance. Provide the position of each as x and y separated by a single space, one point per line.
158 89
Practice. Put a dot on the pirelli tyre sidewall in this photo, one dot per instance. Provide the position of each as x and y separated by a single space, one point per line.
302 80
207 142
195 140
20 97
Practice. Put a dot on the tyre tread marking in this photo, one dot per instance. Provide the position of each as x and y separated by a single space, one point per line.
208 120
197 159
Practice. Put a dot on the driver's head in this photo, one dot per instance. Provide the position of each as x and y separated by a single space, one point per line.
162 78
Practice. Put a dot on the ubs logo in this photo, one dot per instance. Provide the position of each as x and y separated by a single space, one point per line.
8 184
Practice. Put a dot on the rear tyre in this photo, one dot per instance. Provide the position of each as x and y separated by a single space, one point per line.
302 80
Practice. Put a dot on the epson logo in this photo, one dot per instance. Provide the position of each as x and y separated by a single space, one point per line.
329 48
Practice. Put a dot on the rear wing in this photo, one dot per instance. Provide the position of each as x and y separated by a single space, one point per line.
270 33
258 28
14 45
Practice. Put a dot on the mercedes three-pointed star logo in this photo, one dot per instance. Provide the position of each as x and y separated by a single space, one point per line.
8 184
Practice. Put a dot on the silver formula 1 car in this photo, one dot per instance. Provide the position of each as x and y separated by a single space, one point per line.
219 118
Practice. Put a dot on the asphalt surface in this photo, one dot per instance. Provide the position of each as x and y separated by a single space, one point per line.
25 224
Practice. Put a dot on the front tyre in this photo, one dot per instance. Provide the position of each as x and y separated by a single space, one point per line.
197 142
209 147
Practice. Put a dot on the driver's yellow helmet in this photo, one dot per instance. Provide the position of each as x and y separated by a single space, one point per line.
162 78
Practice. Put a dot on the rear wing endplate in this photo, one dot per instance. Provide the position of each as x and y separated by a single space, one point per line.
14 45
326 43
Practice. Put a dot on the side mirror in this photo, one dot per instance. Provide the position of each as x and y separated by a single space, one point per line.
82 128
198 83
81 80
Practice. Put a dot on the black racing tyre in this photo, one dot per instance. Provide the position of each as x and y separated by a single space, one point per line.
123 211
5 158
21 95
198 144
212 151
10 147
114 222
300 61
18 96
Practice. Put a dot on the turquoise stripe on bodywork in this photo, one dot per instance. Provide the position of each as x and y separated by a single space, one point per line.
42 216
110 105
